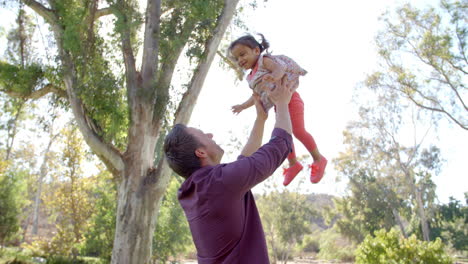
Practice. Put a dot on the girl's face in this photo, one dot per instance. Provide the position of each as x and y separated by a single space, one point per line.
245 57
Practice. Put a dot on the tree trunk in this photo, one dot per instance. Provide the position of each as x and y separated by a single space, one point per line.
419 205
42 175
422 215
12 130
399 221
139 196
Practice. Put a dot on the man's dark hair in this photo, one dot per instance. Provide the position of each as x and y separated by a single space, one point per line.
179 150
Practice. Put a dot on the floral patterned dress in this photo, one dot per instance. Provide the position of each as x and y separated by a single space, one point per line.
292 71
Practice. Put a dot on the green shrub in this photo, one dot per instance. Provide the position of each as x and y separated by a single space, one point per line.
310 243
100 234
392 247
334 246
14 255
12 189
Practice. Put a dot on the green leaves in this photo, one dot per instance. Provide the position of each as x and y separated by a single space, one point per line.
172 236
22 81
423 55
12 199
392 247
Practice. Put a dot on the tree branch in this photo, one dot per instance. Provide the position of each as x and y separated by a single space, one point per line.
189 99
49 88
103 12
440 111
131 75
109 154
167 71
41 10
149 65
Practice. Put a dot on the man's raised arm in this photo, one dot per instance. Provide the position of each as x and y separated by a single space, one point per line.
280 97
256 135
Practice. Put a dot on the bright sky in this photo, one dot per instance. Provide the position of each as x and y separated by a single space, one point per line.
333 40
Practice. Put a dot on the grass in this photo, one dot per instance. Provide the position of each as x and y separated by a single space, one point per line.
23 256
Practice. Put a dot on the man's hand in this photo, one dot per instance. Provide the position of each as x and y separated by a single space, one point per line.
281 97
282 94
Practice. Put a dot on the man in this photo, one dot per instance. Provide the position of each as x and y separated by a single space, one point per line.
216 198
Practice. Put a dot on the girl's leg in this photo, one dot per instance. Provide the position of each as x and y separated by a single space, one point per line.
296 111
292 156
294 167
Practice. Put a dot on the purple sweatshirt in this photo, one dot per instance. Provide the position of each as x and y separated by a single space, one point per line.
220 207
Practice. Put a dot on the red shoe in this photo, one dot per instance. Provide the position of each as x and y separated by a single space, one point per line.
318 168
291 172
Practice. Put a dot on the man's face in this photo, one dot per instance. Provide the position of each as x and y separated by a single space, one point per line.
213 150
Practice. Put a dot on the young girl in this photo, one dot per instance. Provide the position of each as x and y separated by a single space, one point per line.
265 70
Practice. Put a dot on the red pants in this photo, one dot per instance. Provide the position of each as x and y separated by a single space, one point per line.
296 112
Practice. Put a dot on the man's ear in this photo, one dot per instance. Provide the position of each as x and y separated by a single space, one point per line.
201 153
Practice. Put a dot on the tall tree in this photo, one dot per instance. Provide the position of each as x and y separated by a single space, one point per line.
71 199
380 153
423 54
43 171
122 116
12 186
20 53
286 217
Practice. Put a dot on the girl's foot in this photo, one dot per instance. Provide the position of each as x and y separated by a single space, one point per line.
318 168
291 172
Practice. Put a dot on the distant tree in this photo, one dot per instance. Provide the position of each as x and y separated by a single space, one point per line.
423 55
370 206
286 220
70 201
12 188
101 231
451 224
384 164
19 52
43 172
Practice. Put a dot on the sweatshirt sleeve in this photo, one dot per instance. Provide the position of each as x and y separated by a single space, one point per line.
243 174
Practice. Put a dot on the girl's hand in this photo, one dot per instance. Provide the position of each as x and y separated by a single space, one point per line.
236 109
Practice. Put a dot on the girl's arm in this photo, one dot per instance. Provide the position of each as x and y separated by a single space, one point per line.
276 70
238 108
